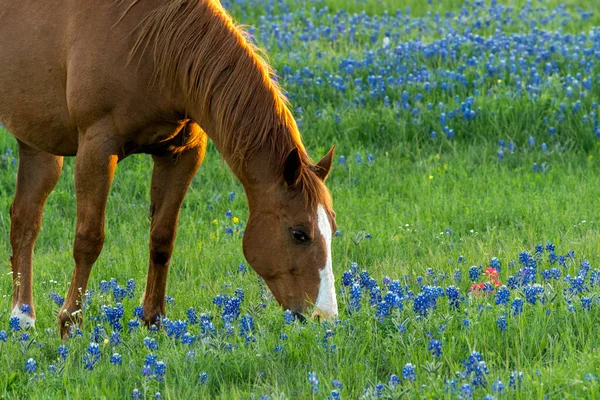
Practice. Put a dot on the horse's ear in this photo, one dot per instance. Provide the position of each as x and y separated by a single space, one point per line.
323 167
292 168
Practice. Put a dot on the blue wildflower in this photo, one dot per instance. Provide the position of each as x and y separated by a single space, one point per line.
31 366
497 386
435 347
63 351
116 359
474 273
409 372
313 381
466 391
476 369
501 323
515 379
15 324
192 317
517 306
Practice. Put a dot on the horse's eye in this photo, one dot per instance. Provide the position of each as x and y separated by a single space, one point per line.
299 236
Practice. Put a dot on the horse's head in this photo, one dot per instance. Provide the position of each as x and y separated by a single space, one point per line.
288 237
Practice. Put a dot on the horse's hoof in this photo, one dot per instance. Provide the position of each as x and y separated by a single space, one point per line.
68 323
26 319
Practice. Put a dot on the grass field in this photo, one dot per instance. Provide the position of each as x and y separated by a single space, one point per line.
467 138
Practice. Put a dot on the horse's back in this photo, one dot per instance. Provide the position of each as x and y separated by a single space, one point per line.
64 66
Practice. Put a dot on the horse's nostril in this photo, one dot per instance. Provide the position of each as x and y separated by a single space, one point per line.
299 316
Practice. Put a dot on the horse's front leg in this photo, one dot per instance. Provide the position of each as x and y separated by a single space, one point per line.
171 177
94 170
38 174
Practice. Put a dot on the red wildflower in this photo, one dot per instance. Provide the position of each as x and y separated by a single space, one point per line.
491 272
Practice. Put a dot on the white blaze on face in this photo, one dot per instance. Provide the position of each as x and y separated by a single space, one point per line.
326 301
25 321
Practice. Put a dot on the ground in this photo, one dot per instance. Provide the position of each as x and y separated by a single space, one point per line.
467 138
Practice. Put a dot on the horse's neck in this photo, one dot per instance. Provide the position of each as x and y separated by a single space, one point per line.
255 171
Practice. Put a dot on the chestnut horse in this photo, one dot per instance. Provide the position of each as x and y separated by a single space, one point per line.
102 79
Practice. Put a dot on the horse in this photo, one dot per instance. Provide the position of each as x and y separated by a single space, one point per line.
103 79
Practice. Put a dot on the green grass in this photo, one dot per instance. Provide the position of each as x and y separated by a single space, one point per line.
413 191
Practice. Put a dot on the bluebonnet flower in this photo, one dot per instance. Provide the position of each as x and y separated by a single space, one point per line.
515 379
246 325
577 285
14 324
150 343
342 160
132 324
501 323
355 297
242 268
531 292
206 325
116 359
435 347
517 306
160 369
466 391
476 369
63 351
457 275
393 381
347 278
502 295
239 293
136 394
231 309
313 381
138 312
31 366
175 329
337 384
113 315
130 288
590 377
26 309
335 395
24 337
3 336
358 158
192 317
92 356
497 386
451 386
586 303
409 372
231 197
288 317
474 273
203 378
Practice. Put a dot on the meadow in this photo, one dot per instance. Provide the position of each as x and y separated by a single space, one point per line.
466 187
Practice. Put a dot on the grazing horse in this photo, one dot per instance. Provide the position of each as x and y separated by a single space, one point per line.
102 79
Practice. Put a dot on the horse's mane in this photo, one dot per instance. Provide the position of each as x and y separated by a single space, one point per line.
199 51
